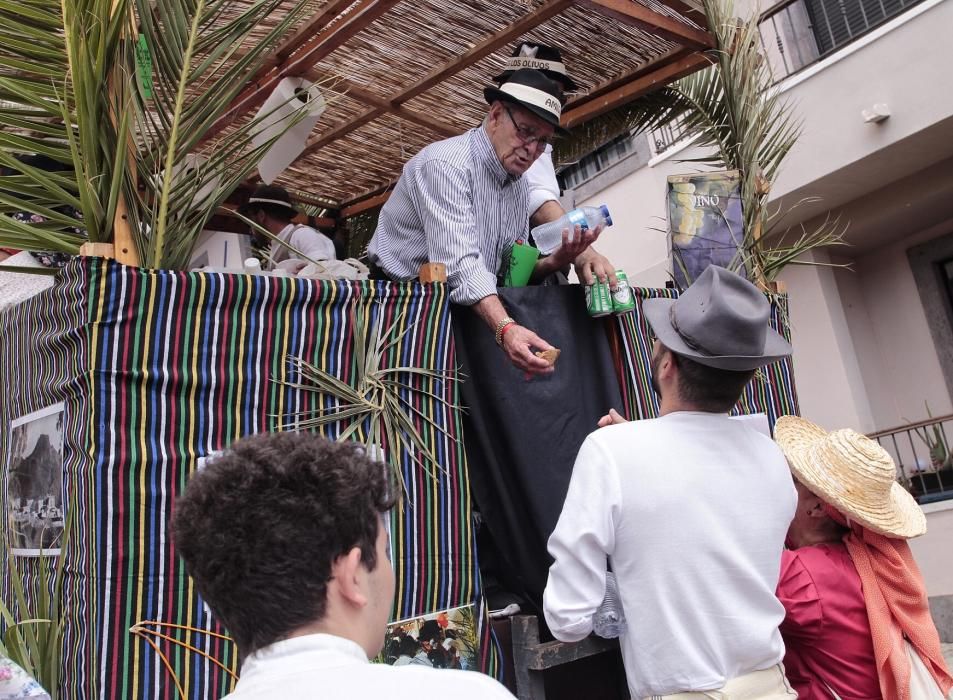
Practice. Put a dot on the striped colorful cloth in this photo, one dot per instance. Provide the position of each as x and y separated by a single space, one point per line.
160 368
771 391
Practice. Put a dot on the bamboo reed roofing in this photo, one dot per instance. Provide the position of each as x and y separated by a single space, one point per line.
405 73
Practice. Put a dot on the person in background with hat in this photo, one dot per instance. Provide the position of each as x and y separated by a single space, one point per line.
463 202
858 624
544 190
270 207
690 509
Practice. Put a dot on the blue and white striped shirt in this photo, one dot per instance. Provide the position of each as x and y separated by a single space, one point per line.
454 204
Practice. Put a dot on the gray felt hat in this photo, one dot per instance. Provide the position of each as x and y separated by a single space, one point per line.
720 321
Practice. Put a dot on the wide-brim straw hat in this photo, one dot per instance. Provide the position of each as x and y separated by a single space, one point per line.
852 473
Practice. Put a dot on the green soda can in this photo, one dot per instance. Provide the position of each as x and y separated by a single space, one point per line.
623 301
598 300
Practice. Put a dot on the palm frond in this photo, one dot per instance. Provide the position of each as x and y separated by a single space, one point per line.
117 98
378 405
742 120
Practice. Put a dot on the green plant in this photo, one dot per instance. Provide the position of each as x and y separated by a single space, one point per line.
35 640
378 403
124 95
932 436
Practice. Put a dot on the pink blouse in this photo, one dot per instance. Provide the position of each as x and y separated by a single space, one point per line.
825 629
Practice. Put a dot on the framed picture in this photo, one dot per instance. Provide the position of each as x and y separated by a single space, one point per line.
705 223
445 639
35 483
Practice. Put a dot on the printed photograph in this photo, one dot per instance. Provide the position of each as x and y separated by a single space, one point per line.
35 483
705 223
446 639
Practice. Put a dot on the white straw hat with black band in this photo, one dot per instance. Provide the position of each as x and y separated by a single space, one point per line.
273 195
532 91
852 473
537 57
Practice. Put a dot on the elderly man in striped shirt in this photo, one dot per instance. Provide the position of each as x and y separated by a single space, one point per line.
464 202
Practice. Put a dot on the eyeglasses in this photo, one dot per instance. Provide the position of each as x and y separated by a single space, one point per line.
527 134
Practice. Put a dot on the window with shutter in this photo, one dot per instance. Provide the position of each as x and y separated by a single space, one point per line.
838 22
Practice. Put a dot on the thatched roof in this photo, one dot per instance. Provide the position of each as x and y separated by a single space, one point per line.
411 72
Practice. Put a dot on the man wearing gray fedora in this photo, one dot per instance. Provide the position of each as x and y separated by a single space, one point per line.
690 509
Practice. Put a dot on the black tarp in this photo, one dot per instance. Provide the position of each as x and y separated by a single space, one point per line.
522 436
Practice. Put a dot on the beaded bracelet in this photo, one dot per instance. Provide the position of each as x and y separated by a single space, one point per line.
501 326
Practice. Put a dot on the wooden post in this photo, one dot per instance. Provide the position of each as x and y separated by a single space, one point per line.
433 272
126 252
97 250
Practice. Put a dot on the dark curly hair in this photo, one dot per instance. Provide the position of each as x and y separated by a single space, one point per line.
261 525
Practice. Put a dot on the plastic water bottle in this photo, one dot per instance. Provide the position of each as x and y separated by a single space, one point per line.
609 620
549 237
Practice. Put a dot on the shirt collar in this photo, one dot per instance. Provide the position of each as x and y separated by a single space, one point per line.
298 650
484 152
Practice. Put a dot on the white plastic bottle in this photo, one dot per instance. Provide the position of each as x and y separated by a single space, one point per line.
548 237
609 620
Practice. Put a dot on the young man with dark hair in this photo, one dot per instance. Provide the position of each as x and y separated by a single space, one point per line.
284 537
690 509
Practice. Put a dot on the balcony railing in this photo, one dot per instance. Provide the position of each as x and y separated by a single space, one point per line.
667 135
797 33
922 453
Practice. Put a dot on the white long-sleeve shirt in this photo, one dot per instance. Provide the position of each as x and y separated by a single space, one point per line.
541 181
454 204
691 509
312 243
326 666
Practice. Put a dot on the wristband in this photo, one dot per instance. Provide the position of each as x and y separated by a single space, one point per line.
500 327
504 329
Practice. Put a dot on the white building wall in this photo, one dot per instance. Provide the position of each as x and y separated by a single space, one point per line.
864 356
933 552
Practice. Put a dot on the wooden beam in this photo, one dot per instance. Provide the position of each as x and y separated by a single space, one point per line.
313 50
542 13
630 75
347 26
692 9
364 205
306 32
487 46
369 98
633 90
630 12
316 142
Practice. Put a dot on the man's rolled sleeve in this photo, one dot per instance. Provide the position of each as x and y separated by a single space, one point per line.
583 539
446 211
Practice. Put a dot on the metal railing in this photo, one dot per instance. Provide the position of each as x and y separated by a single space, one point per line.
667 135
922 453
796 33
596 162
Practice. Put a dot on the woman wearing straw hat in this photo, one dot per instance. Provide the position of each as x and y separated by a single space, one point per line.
857 623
